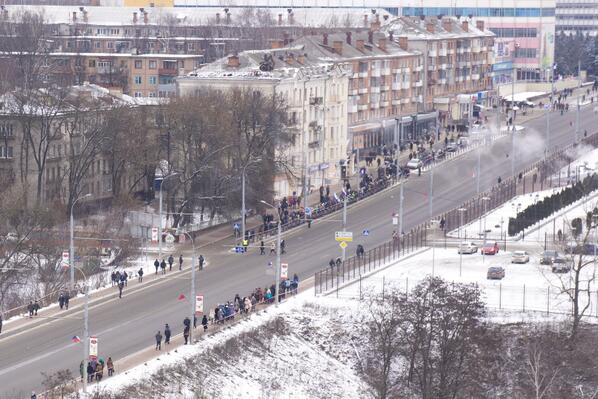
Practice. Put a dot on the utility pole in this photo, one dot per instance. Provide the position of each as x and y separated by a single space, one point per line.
431 211
401 199
278 239
578 101
344 222
72 244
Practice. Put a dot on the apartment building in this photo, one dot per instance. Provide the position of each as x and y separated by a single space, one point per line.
385 83
138 75
524 31
577 16
63 141
457 57
316 96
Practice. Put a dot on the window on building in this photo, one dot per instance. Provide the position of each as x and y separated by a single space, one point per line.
522 52
92 63
153 80
152 94
153 64
138 80
98 44
110 45
138 94
6 152
138 64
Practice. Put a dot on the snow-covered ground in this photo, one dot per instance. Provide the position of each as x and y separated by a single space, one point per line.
525 287
299 350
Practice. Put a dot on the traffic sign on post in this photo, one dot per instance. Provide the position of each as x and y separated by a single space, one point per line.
366 233
65 258
343 244
343 236
169 238
154 234
198 303
284 271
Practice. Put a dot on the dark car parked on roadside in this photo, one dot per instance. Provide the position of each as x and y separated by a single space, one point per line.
584 249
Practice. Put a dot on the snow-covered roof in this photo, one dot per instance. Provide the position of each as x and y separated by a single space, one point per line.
122 16
416 28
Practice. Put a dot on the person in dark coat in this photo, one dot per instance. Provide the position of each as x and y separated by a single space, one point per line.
262 248
331 263
204 323
167 334
156 265
140 274
67 297
163 266
61 301
201 261
158 341
35 308
124 277
90 371
186 334
180 262
170 262
121 285
1 323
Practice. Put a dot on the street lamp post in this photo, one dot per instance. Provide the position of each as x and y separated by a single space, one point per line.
160 215
193 294
401 200
85 330
461 210
243 210
485 199
72 243
278 238
578 102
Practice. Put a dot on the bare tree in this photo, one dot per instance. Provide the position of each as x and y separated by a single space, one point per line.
380 363
578 284
539 373
444 330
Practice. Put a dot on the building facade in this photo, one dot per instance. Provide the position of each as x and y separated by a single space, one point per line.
574 16
316 97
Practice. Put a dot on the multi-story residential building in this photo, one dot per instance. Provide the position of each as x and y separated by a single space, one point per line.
577 16
315 94
524 31
138 75
457 61
64 155
385 83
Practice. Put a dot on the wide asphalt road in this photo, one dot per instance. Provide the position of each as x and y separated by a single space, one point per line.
127 325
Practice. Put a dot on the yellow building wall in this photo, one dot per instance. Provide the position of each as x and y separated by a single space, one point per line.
147 3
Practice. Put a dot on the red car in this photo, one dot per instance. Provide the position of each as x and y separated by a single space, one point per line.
489 249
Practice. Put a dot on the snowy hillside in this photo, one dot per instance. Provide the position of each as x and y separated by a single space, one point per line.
301 350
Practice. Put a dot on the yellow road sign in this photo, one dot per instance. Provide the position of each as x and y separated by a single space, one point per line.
343 245
343 236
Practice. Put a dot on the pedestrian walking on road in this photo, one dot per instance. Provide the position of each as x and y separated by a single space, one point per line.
35 308
262 248
61 301
121 285
167 334
201 261
110 365
81 365
273 249
282 245
140 274
90 371
163 266
158 341
0 323
156 265
67 297
33 395
331 263
180 262
30 309
170 262
124 277
204 323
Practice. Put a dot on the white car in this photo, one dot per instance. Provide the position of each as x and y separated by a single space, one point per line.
520 257
415 163
467 248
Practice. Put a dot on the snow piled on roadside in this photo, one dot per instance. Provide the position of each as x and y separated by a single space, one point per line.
301 349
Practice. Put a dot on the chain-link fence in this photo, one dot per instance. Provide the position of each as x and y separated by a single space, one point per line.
551 299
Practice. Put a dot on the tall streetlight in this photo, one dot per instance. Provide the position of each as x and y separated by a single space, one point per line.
193 295
162 182
85 329
278 238
578 102
401 200
515 47
72 243
485 199
461 210
243 211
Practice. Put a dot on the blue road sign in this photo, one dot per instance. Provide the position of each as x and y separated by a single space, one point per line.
236 226
308 211
239 249
366 233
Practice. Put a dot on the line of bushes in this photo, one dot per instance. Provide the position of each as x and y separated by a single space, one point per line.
546 207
